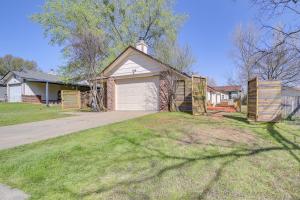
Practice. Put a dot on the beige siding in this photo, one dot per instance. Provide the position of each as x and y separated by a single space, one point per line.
136 64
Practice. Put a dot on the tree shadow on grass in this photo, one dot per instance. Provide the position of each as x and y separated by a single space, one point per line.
183 161
237 118
151 152
287 144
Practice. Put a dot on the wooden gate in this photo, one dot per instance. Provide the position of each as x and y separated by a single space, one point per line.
264 100
70 99
199 87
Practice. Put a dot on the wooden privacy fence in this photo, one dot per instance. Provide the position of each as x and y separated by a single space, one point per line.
199 86
290 107
70 99
184 95
264 100
191 94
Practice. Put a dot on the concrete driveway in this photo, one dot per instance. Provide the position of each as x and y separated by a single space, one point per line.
15 135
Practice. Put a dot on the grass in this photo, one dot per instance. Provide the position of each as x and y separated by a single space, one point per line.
16 113
162 156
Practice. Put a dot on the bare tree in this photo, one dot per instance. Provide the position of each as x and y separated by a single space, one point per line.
275 10
86 51
275 62
171 53
281 63
211 81
170 83
231 81
180 59
245 42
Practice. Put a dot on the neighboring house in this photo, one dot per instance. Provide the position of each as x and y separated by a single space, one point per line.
35 87
135 82
2 90
291 91
290 102
229 92
213 96
218 94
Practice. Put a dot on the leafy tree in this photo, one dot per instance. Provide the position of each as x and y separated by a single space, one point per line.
11 63
119 22
87 50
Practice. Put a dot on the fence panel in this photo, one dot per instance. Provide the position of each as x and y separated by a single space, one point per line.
269 101
199 86
70 99
184 96
252 99
291 107
264 100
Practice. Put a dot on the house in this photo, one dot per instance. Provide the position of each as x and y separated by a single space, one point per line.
229 92
2 90
291 91
35 87
213 96
135 81
218 94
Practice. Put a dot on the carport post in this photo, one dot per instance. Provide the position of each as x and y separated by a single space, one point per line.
47 93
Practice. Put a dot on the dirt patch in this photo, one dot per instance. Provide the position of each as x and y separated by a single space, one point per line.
224 136
216 114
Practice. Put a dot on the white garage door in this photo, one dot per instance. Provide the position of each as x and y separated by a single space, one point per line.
137 94
15 93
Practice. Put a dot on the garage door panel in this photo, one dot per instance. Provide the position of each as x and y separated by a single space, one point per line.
137 94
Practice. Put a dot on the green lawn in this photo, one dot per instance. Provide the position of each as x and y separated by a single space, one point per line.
16 113
162 156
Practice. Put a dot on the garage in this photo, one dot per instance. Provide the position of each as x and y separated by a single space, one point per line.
137 94
15 93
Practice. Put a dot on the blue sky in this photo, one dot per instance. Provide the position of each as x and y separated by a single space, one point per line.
208 30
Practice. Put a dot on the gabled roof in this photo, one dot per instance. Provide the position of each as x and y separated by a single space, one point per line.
147 55
211 89
37 76
228 88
